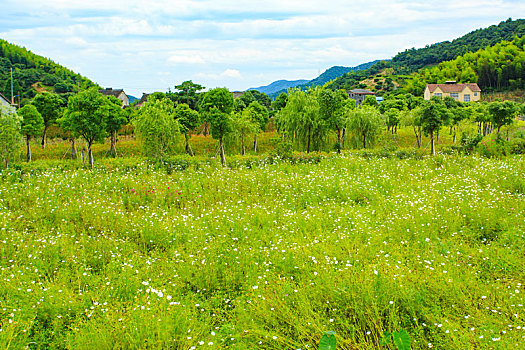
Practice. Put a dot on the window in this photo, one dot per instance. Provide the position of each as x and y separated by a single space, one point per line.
467 98
438 94
454 95
475 94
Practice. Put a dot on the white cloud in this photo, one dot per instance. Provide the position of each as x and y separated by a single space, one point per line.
127 42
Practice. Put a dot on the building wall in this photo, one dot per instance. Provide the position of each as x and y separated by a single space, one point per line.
125 99
474 96
5 104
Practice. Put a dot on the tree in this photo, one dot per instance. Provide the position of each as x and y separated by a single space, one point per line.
370 101
503 113
32 125
411 118
188 119
48 105
243 124
433 115
217 106
365 124
86 115
259 115
300 120
10 135
331 108
280 102
116 117
187 94
158 128
391 109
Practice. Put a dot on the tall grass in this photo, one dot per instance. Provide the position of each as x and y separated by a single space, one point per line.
267 257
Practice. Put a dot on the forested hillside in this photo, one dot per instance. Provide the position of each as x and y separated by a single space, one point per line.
499 67
412 60
328 75
33 73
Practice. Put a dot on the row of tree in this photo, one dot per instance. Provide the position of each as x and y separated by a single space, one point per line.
306 120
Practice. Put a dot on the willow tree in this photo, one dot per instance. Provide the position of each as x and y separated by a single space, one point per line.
301 121
365 124
157 128
331 109
259 116
10 136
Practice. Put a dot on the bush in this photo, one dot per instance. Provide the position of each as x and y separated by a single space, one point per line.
470 141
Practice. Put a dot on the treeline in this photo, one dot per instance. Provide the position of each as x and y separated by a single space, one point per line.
30 69
499 67
411 61
305 120
414 59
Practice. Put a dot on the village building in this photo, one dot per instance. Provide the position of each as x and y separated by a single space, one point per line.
461 92
359 95
143 99
118 93
4 103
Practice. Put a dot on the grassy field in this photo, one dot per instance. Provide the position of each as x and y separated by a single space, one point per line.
267 257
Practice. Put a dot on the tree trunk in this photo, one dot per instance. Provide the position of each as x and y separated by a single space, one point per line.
308 147
90 156
44 137
113 149
254 143
338 140
28 149
188 147
243 149
454 138
73 149
437 136
364 140
432 149
343 138
221 148
417 137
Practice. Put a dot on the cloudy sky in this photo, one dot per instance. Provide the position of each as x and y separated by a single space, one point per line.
145 46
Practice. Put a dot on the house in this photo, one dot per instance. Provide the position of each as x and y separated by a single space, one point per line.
143 99
359 95
460 92
4 103
118 93
237 94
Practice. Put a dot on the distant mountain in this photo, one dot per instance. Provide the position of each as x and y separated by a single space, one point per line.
336 71
328 75
33 74
279 85
132 99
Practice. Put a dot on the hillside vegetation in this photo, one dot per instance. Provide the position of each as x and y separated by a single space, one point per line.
33 73
411 61
498 67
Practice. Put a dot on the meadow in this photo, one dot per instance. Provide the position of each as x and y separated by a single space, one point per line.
268 256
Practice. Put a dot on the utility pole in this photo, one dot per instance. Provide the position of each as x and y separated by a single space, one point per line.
12 97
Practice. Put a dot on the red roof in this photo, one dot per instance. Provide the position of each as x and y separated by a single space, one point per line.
453 87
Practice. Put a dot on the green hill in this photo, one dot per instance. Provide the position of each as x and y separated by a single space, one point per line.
496 68
33 73
413 60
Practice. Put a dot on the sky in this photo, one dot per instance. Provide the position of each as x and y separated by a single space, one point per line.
146 46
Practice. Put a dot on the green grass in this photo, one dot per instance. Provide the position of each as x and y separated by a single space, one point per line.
267 257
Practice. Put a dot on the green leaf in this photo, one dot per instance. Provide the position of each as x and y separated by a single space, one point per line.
402 340
385 339
328 341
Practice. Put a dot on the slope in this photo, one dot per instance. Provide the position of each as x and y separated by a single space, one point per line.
33 73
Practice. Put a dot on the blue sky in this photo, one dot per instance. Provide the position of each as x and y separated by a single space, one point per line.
145 46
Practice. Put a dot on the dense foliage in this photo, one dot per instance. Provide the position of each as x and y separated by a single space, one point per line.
33 73
499 67
413 60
